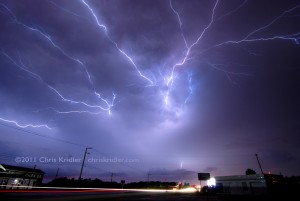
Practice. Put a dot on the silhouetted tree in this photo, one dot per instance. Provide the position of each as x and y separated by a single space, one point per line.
250 171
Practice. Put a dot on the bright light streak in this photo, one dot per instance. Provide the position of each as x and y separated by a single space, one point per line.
87 190
188 190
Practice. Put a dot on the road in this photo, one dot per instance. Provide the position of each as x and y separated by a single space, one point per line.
92 195
119 195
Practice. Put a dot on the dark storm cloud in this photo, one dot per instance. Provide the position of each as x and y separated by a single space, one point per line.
227 102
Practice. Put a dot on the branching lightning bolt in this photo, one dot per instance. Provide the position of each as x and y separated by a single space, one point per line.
294 37
25 126
109 104
49 39
166 84
102 26
180 24
228 73
170 79
68 112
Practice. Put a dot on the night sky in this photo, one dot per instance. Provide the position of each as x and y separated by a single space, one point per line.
173 87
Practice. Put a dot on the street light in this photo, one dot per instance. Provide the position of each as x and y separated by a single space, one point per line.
83 162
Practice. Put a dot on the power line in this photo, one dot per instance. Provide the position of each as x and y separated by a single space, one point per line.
41 135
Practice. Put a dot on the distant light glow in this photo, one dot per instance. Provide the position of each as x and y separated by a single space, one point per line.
198 187
211 182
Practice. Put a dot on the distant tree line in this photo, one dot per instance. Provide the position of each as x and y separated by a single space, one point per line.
88 183
97 183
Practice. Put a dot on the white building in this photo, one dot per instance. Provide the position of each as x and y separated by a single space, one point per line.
242 184
14 177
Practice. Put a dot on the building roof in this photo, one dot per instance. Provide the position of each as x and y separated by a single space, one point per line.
18 168
240 177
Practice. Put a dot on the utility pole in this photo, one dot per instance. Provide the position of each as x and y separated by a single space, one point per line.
259 164
83 162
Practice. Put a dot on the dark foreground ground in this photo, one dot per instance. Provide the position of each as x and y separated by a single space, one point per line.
130 196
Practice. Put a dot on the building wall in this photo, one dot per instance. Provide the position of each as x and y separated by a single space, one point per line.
14 177
16 183
242 185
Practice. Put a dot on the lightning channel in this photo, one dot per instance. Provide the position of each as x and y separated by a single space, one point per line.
78 61
104 27
25 126
170 78
190 76
292 37
108 104
56 46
